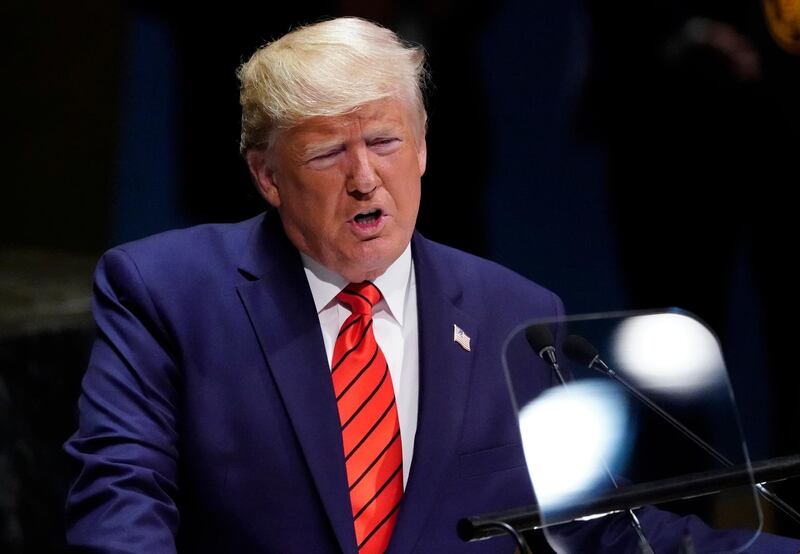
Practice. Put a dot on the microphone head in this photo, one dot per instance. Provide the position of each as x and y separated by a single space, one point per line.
580 350
539 337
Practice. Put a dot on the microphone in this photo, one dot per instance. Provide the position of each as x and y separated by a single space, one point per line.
581 351
541 340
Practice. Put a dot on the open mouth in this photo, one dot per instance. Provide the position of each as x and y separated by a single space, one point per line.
368 218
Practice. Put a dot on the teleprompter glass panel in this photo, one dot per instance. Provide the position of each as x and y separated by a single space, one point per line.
637 444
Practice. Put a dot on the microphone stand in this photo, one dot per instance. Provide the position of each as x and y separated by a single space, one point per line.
599 365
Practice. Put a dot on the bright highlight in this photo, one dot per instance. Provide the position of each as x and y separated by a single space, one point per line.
670 352
570 435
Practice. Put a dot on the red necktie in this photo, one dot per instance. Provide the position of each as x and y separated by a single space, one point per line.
368 416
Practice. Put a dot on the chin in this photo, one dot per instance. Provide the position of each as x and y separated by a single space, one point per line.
356 274
368 265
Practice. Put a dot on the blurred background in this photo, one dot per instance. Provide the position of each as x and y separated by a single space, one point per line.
625 155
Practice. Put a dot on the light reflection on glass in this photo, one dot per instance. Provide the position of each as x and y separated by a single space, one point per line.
670 352
572 437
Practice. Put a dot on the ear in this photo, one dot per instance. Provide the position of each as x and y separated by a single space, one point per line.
422 155
263 175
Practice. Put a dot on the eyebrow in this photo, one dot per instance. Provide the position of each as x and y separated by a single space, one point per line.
386 130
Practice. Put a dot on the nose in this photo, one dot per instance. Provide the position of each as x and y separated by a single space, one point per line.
362 178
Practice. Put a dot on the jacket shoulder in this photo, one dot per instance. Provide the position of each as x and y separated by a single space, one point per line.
200 244
177 267
488 283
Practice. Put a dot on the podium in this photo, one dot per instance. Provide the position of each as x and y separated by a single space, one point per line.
638 441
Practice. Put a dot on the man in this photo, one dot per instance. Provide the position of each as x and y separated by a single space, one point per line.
209 418
319 378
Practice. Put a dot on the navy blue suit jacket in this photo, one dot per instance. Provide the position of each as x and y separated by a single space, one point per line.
207 416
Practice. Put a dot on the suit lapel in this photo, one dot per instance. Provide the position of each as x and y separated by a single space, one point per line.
445 368
281 309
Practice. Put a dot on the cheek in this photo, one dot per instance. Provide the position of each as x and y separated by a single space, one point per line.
407 205
404 184
411 196
408 191
316 197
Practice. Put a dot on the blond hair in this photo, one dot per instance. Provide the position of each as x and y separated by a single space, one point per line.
326 69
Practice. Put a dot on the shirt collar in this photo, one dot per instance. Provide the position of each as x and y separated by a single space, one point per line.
393 283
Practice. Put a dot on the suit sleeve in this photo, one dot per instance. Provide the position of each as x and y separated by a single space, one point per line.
122 500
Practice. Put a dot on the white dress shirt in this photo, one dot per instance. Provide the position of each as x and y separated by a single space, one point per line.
395 326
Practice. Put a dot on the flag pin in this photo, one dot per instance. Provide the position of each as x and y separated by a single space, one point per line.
460 337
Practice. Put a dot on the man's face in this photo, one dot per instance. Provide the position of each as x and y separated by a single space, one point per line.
347 187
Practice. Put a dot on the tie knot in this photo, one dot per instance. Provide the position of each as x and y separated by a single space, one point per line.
360 297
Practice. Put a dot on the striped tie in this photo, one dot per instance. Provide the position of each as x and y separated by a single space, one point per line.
370 427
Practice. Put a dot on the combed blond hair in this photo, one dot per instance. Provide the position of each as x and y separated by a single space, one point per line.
326 69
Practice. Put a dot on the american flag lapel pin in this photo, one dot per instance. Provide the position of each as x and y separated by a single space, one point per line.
460 337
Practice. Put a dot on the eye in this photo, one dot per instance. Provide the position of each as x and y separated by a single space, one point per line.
324 159
326 155
385 145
